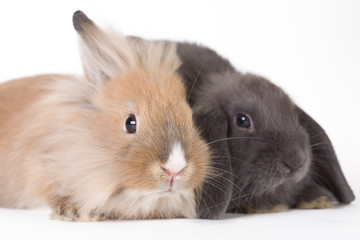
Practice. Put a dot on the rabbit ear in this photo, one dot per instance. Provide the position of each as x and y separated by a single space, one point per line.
217 188
326 169
104 55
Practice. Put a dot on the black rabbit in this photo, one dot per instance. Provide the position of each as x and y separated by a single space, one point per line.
268 155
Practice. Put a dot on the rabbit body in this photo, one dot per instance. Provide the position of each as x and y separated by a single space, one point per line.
65 140
268 155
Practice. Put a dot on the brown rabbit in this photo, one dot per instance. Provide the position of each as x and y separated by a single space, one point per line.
117 143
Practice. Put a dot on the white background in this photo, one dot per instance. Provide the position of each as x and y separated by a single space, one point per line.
309 48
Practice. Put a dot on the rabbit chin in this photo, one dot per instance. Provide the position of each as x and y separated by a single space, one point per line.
134 204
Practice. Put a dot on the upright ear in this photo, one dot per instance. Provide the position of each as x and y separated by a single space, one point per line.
104 55
217 188
327 172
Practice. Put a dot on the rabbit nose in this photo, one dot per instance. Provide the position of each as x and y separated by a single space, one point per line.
288 168
176 162
292 164
171 173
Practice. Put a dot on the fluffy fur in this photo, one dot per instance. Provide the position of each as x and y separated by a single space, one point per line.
63 139
284 160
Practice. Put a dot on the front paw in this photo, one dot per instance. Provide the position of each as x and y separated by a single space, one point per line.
319 203
63 209
77 218
66 210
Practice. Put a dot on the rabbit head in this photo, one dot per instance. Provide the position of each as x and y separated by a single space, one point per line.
269 148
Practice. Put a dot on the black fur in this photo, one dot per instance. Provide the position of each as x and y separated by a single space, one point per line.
287 158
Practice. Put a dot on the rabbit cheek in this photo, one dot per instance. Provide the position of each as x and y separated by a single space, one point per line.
142 177
198 166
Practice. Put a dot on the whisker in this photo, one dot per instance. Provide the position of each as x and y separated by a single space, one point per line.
231 138
319 144
196 78
225 171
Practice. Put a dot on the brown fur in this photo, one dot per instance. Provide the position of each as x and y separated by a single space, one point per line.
16 97
319 203
63 140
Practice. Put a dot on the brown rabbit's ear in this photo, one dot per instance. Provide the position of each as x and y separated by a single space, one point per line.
326 171
217 188
104 55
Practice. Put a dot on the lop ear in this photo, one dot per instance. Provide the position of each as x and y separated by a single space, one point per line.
327 173
217 188
104 55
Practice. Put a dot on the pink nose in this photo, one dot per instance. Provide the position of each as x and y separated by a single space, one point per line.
171 173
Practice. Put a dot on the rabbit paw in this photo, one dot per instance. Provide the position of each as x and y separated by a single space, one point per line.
75 218
319 203
65 210
71 216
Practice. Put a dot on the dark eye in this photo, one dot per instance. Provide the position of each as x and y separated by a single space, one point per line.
244 121
130 124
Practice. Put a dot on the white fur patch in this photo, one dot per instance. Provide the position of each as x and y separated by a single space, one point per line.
134 205
176 161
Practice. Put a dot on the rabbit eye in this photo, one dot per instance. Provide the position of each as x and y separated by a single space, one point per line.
130 124
244 121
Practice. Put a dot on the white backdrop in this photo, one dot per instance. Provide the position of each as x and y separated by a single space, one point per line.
309 48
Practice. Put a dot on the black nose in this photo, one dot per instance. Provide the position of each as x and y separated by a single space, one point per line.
294 161
289 167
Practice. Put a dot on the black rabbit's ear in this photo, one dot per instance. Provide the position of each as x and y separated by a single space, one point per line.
327 172
217 188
